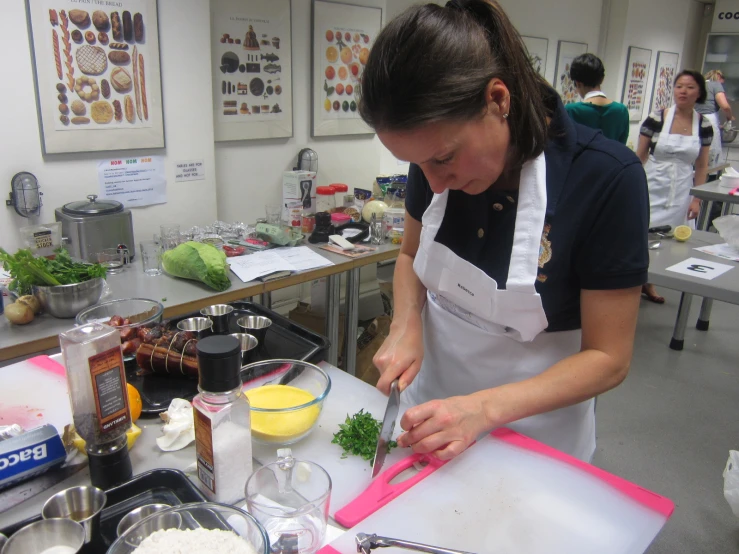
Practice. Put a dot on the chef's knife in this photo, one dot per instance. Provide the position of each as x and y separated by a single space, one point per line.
388 426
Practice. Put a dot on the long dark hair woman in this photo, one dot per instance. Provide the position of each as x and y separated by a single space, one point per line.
517 286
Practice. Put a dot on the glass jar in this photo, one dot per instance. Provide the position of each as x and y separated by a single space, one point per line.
340 191
325 201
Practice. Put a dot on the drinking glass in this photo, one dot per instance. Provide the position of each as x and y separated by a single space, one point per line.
274 214
112 259
170 236
151 257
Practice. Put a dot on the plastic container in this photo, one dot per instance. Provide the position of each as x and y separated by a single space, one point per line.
340 191
394 217
308 222
340 218
284 417
325 201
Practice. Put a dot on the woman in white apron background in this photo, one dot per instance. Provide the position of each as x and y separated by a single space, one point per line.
517 287
714 103
671 143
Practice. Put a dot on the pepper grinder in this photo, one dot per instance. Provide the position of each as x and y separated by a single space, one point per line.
97 390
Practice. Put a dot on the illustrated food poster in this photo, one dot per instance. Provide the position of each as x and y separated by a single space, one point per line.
664 78
252 86
635 81
566 52
97 74
343 36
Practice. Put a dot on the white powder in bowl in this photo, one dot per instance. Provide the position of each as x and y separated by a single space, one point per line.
194 541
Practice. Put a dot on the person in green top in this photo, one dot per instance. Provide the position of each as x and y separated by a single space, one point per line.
596 110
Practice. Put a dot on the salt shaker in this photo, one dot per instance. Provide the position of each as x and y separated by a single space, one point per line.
377 230
222 421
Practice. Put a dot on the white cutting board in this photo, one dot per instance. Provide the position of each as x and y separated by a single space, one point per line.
501 497
352 475
33 393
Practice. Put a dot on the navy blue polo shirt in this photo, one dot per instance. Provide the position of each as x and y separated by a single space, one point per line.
595 232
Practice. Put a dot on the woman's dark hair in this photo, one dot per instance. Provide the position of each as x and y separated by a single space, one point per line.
588 70
433 64
699 80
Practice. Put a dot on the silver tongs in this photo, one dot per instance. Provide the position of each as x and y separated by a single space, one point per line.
366 543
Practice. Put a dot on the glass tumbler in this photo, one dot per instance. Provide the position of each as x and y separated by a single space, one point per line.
273 213
112 259
170 236
290 498
151 257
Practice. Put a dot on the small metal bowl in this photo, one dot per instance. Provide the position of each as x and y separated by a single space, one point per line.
255 325
219 315
201 326
45 535
134 516
65 301
81 504
249 345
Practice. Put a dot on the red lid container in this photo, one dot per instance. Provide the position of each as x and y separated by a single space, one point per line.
325 191
340 187
340 218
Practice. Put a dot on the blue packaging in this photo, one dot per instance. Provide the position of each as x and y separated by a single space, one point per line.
30 454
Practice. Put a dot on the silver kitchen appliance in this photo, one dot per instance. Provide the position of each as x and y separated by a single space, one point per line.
25 196
90 226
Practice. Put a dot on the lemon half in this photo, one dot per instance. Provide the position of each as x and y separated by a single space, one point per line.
682 233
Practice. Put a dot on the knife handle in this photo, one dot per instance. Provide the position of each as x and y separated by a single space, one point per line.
381 491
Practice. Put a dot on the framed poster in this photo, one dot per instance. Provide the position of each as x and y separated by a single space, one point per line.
343 35
537 48
251 51
634 95
566 52
97 74
664 80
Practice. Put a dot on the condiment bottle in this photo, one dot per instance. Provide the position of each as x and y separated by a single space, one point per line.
97 391
222 421
325 201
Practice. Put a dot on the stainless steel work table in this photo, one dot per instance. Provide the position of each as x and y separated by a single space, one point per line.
724 287
181 296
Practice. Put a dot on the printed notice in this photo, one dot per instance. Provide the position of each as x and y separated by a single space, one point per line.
193 170
702 269
134 182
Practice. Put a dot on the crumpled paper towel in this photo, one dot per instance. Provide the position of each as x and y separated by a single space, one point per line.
179 427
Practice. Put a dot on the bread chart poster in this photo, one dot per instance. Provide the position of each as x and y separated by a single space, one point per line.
252 71
634 95
97 74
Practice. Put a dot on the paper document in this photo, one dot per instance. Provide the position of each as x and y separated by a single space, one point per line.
262 264
722 251
702 269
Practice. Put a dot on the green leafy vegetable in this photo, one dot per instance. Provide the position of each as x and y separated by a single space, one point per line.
358 436
28 270
199 262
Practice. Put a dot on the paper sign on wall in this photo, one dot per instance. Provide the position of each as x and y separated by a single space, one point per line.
702 269
134 182
193 170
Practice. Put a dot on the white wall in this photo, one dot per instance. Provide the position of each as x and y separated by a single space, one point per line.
68 177
250 172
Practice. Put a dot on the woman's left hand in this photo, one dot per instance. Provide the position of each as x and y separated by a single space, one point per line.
694 209
444 428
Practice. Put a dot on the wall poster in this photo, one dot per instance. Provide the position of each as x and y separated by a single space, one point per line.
251 54
537 48
343 35
664 80
566 52
634 95
97 74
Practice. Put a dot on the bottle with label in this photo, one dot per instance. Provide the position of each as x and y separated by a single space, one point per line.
96 379
222 421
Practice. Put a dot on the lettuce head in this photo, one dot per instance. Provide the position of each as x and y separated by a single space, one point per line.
199 262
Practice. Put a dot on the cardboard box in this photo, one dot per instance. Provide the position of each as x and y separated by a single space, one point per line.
298 186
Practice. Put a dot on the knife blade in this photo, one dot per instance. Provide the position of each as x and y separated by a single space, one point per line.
388 426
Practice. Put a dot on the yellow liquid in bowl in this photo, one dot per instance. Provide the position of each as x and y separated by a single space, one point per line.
285 426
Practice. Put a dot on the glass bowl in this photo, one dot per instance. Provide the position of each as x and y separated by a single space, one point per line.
286 398
140 311
210 516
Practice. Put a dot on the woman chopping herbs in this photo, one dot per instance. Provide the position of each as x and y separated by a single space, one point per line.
517 287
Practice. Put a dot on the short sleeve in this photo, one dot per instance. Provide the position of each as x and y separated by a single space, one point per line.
705 132
717 87
652 125
614 254
418 193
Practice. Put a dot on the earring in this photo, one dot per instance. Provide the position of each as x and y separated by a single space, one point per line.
505 116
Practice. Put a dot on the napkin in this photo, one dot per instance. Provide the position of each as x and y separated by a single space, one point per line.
179 428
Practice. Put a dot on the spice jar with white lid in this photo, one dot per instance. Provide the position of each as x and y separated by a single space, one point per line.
222 421
325 201
340 191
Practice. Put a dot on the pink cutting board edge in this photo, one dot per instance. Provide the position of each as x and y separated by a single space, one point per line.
47 364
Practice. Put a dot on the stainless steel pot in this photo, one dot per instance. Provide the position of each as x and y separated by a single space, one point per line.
65 301
92 225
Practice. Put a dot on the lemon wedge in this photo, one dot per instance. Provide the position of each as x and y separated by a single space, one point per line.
682 233
132 436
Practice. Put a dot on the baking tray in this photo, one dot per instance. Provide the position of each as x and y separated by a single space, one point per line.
164 486
285 339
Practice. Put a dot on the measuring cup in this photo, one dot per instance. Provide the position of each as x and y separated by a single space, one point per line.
290 498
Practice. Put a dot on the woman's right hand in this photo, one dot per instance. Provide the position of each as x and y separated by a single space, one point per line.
400 356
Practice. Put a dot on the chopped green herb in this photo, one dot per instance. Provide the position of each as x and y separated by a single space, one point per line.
358 436
164 299
28 270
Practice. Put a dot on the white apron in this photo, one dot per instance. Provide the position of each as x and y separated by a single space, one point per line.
670 173
478 337
715 152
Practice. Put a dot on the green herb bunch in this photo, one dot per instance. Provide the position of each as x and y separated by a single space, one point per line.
28 270
358 436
